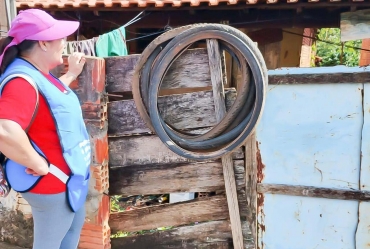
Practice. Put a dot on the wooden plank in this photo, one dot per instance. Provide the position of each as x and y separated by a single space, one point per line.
141 150
172 178
3 20
227 162
183 111
321 75
251 184
189 70
177 110
355 25
212 235
177 214
309 191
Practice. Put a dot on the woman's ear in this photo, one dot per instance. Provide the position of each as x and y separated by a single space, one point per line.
43 46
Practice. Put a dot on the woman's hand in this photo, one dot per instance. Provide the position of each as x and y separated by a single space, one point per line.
43 168
76 62
32 172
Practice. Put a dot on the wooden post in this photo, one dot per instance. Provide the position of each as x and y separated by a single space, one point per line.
11 11
227 162
251 184
3 20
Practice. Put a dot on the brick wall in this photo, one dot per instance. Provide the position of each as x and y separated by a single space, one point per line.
90 88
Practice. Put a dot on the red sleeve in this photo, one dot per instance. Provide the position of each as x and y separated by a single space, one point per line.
17 102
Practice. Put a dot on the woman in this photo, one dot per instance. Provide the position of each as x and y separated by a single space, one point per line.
48 148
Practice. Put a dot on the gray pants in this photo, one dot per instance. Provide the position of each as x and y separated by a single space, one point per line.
55 225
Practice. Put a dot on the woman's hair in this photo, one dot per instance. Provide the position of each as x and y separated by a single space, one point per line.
13 51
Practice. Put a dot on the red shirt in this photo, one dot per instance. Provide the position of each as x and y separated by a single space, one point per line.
17 103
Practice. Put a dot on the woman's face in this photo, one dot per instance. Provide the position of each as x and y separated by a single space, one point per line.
55 51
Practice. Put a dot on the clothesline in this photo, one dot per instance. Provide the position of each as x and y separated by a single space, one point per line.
112 43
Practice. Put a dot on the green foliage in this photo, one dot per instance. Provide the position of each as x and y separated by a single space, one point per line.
331 53
121 234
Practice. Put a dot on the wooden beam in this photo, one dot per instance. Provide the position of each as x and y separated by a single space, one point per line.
309 191
183 111
172 178
227 162
209 235
271 16
322 75
355 25
144 150
189 70
177 214
251 184
3 20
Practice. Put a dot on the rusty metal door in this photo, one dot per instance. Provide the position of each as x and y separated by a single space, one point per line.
311 177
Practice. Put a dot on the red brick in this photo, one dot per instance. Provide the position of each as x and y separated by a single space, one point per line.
96 232
101 175
97 237
100 148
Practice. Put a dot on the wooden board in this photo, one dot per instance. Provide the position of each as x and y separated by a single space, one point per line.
310 191
3 19
141 150
321 75
183 111
177 110
251 171
217 79
189 70
177 214
355 25
172 178
212 235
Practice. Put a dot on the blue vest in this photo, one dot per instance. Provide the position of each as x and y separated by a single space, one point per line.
74 139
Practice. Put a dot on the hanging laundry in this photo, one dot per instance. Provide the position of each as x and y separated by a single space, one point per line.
112 43
85 46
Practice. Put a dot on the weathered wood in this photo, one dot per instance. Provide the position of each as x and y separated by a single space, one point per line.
183 111
172 178
227 162
309 191
216 78
119 70
322 75
3 20
212 235
189 70
251 184
140 150
177 214
355 25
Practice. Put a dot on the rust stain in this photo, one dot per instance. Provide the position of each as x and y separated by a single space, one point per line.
260 203
260 197
260 165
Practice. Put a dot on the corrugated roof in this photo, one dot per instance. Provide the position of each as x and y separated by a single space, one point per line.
144 3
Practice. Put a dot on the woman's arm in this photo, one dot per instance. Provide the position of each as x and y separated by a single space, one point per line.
76 62
16 146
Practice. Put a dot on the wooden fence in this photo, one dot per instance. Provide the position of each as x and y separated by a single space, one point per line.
140 164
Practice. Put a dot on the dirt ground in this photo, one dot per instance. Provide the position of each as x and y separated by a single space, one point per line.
4 245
